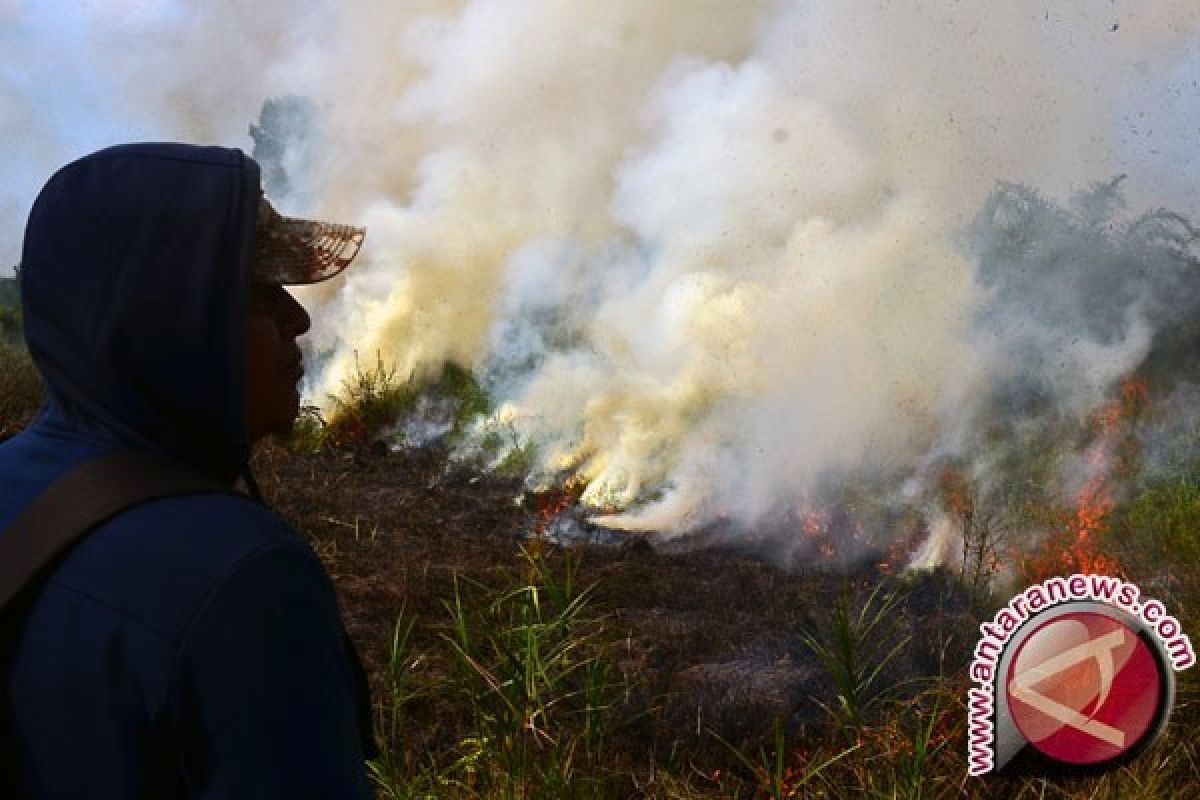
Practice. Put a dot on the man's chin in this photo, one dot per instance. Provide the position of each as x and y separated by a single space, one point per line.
284 423
288 423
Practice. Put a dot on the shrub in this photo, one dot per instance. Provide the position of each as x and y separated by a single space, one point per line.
373 402
370 401
21 393
10 326
458 385
1160 527
308 432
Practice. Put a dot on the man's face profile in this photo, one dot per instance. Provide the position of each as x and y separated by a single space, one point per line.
273 361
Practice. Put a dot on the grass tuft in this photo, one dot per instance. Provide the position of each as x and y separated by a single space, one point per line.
527 664
374 402
370 401
855 651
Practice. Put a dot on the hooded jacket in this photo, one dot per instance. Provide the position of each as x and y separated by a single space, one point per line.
191 646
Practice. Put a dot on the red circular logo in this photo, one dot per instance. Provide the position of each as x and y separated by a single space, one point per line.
1084 688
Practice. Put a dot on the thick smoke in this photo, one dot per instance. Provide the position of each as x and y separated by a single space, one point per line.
707 254
1087 330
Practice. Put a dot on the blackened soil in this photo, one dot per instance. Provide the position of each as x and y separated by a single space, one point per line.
707 639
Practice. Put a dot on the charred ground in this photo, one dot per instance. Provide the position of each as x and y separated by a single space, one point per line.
709 646
730 676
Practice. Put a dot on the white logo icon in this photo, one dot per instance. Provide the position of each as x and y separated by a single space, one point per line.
1101 649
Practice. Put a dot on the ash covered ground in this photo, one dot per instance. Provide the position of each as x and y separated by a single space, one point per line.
709 638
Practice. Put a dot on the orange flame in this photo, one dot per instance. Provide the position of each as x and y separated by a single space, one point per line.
1093 506
814 526
549 504
1112 456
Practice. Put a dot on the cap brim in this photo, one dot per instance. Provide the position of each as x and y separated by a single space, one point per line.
299 251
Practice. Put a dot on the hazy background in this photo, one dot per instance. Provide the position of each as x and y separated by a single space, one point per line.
704 254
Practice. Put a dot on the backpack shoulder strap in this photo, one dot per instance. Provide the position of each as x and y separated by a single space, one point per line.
80 500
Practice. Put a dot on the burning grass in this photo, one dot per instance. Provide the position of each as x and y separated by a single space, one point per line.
507 667
504 666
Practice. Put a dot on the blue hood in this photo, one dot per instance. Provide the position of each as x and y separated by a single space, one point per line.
135 280
191 646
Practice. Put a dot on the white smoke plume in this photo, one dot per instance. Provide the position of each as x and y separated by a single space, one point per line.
704 252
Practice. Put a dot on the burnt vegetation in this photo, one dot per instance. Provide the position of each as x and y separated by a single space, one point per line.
506 665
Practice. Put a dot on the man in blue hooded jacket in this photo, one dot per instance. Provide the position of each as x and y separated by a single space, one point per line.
191 646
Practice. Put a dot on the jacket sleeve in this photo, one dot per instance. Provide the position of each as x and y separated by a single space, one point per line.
267 695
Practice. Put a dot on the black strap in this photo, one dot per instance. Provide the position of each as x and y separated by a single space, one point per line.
80 500
75 504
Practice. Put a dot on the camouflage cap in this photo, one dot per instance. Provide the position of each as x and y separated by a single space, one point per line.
294 251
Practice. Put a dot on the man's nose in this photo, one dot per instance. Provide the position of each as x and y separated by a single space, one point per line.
298 320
